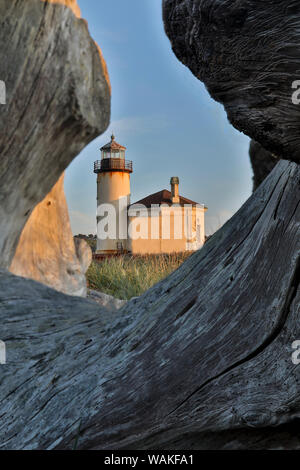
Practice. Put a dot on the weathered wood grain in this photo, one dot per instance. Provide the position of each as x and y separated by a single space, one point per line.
262 163
202 360
58 100
46 251
247 54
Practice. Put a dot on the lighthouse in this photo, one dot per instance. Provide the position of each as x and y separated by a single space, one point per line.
113 198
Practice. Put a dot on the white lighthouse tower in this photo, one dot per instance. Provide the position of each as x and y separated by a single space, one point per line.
113 196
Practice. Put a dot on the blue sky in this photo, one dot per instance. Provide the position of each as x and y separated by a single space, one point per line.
163 115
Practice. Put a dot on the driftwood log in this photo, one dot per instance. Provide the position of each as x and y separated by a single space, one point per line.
262 163
203 359
46 251
58 100
247 54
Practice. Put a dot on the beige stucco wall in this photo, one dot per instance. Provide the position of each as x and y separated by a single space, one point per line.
165 239
113 188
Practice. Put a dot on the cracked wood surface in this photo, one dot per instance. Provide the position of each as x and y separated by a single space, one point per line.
58 100
46 251
247 54
202 360
262 163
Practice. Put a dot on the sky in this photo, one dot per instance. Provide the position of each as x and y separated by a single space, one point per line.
163 115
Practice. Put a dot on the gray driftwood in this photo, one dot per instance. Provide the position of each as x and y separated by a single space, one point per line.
262 162
58 100
247 54
202 360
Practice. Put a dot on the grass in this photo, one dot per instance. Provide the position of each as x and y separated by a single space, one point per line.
127 276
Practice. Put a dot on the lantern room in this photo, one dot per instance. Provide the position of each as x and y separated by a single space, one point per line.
113 158
113 150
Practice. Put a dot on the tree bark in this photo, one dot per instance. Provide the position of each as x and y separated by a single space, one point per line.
202 360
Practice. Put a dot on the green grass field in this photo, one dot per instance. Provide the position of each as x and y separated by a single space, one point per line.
127 276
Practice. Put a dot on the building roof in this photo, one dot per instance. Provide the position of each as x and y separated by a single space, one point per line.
113 145
163 197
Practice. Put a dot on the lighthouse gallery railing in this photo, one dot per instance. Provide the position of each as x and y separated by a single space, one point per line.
112 164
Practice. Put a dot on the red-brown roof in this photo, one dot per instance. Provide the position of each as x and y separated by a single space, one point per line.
163 197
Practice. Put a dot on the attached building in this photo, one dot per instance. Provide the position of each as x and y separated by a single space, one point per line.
163 222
